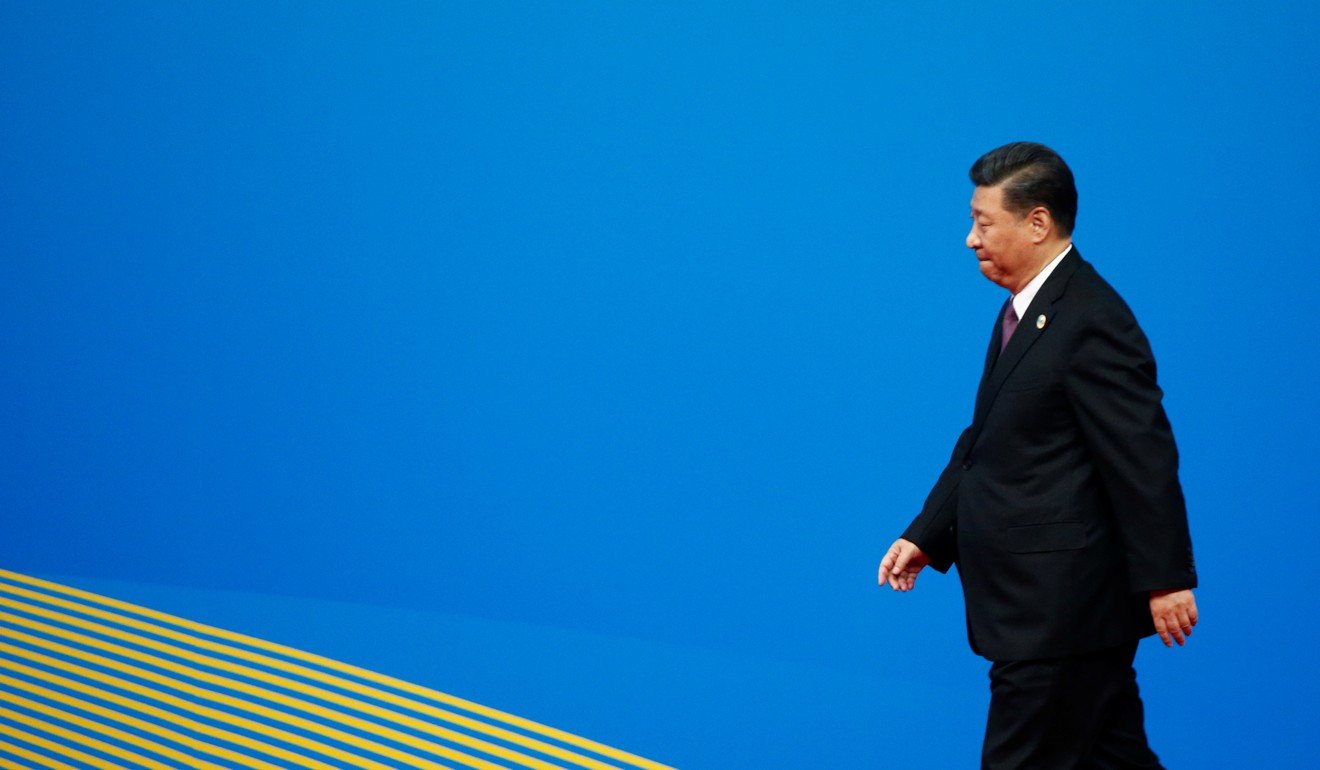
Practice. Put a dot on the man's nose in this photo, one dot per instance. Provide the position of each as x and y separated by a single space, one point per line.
973 241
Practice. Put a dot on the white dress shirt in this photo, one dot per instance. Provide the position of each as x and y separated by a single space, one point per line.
1022 300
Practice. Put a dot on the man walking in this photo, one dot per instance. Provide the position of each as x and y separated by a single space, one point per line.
1061 505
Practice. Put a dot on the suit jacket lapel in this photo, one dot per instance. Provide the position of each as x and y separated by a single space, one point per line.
992 353
1026 334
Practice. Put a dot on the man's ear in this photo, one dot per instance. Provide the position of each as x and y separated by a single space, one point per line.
1041 224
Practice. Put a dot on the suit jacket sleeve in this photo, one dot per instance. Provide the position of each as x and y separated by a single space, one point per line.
934 528
1110 382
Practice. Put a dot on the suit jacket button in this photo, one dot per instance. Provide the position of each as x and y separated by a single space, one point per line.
967 465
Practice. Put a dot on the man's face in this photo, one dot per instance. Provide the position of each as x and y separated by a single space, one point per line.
1001 239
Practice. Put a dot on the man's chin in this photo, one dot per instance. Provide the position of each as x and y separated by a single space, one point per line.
988 270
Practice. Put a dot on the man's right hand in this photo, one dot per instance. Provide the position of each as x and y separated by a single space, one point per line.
900 566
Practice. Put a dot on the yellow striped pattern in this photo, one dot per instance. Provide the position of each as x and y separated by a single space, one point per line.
90 681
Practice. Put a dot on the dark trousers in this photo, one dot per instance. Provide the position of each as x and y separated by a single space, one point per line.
1081 711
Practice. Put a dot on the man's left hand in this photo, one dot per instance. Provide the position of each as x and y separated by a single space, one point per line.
1174 613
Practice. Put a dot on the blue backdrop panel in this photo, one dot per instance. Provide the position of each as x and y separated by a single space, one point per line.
460 332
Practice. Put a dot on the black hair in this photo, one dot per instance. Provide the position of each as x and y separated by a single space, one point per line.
1032 175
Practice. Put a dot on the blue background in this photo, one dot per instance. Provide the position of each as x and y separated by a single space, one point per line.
583 358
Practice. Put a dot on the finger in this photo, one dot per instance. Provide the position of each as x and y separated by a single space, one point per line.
887 566
891 556
887 563
893 577
1192 613
1185 622
901 562
1163 631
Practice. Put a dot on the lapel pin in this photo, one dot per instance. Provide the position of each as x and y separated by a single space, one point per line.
1040 321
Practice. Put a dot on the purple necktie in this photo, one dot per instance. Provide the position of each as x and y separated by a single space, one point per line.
1010 325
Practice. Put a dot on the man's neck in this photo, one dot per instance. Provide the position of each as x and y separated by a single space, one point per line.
1046 253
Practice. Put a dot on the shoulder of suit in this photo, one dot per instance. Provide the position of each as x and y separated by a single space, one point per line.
1088 285
1095 304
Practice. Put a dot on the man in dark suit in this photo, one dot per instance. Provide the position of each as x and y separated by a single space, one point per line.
1061 505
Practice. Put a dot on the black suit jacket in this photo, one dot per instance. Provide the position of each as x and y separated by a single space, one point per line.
1061 505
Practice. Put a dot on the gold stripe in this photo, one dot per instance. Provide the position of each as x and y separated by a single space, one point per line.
284 700
345 668
353 687
238 703
182 703
31 756
85 738
49 745
8 765
145 726
105 713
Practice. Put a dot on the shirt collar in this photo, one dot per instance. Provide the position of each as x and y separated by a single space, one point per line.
1022 300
